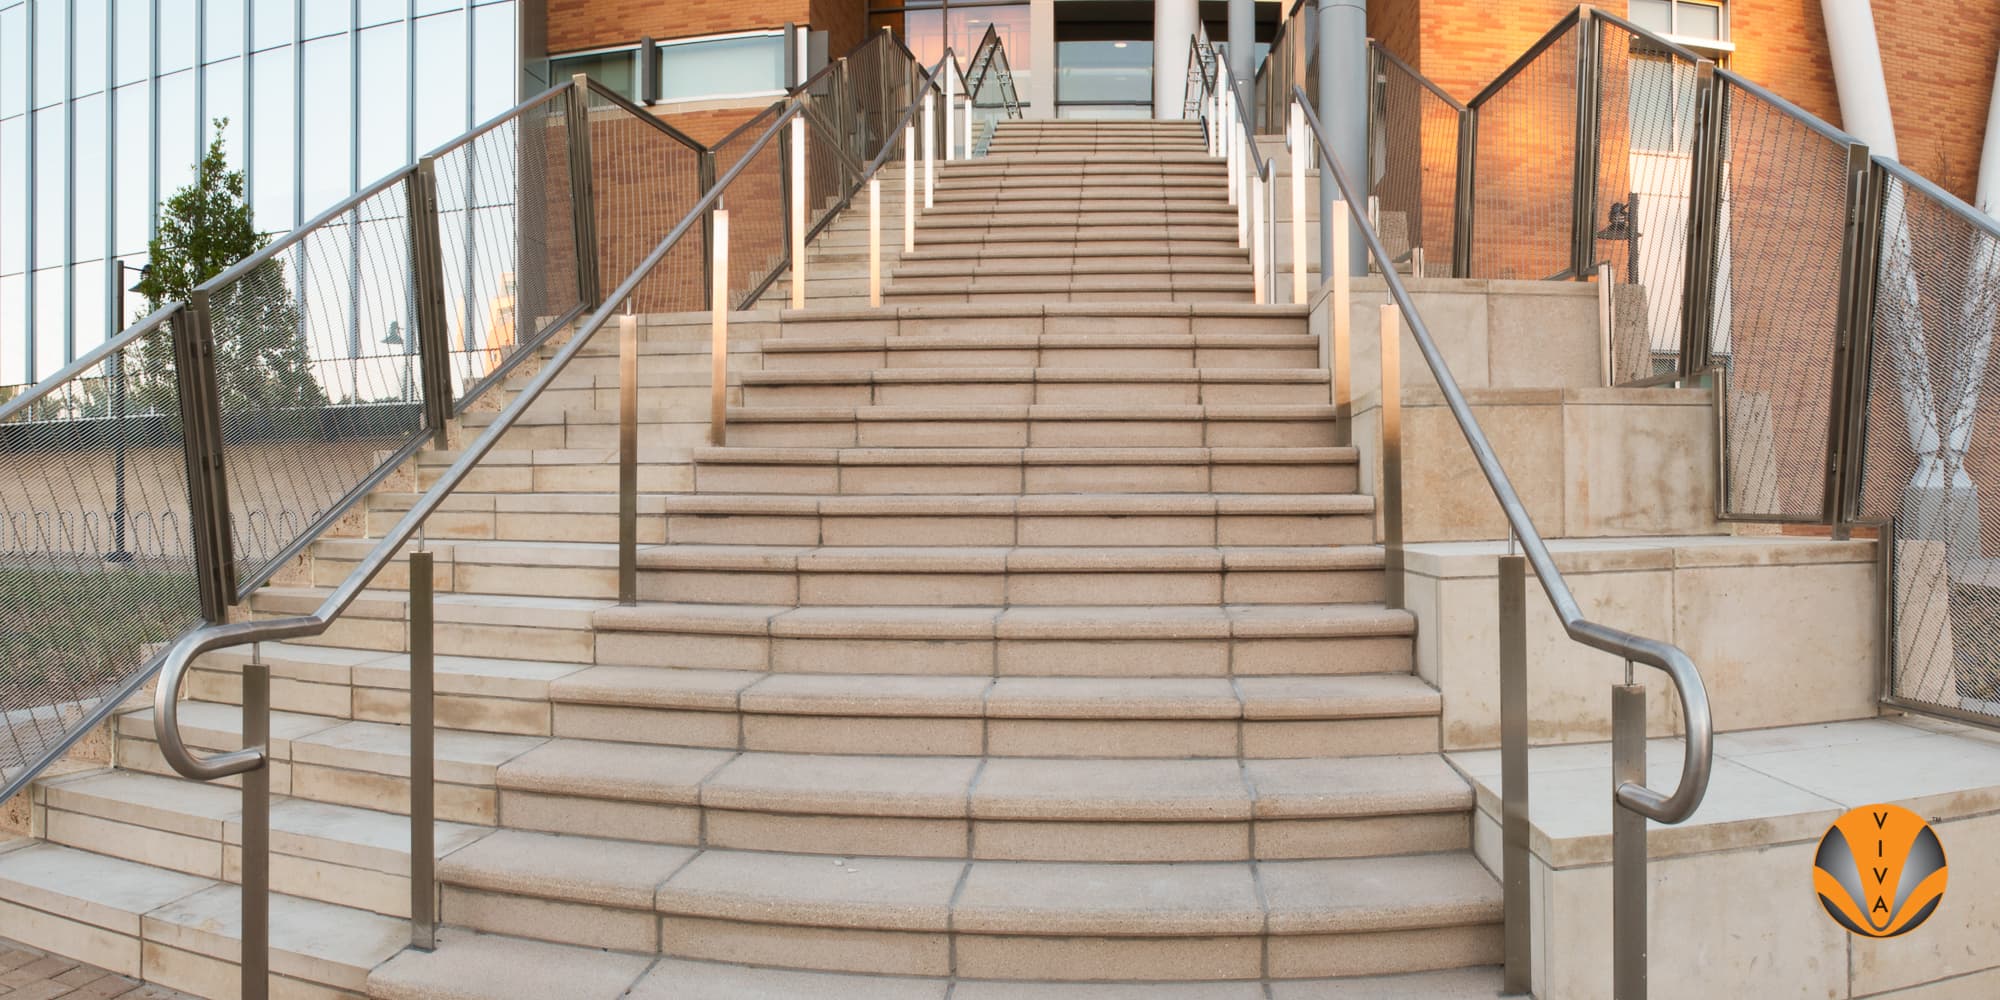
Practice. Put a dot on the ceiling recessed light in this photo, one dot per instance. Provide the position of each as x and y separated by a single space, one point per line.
1118 45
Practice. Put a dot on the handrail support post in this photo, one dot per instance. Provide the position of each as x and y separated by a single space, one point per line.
433 344
1519 938
201 439
1297 132
875 241
798 206
1391 499
583 220
1628 843
1339 359
423 755
254 959
718 374
628 450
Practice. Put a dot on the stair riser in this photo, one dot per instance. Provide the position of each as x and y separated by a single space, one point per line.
959 479
593 478
1167 279
1047 434
297 691
1065 393
354 630
743 529
833 589
1079 356
1171 213
522 527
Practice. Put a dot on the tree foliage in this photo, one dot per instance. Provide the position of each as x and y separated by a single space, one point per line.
262 362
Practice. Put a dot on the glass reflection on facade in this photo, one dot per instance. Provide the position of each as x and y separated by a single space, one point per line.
105 106
928 27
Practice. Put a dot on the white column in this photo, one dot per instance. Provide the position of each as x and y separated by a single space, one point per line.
1857 74
1041 59
1173 28
1988 196
950 105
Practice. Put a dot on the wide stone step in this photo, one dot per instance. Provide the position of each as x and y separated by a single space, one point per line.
1001 232
1192 181
1062 211
906 275
537 627
471 966
1011 519
1141 716
1080 641
513 516
182 931
662 469
1011 577
1022 426
1168 287
903 471
1026 192
1120 340
1088 159
977 386
1028 318
983 918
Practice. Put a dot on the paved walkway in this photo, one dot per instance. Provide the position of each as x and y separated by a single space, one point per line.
31 974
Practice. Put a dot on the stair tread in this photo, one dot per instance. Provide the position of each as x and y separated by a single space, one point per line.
1009 559
884 376
992 504
1022 341
740 455
1065 622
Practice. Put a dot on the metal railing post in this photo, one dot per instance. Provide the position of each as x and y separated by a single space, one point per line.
706 177
628 450
255 956
1461 196
1704 220
1260 263
718 346
1589 86
930 144
909 189
1628 842
949 68
799 198
1392 457
1296 132
201 436
427 264
1518 931
1865 183
875 241
423 754
583 202
1339 355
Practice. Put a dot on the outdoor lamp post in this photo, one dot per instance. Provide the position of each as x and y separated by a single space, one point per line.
119 553
1623 226
395 339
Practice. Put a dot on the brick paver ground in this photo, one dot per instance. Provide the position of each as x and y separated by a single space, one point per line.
31 974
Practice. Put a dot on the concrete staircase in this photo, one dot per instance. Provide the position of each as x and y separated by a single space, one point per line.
1026 640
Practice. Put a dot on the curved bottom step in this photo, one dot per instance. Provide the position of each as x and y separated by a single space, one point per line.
472 966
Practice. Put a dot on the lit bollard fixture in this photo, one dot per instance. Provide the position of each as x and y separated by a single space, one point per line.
798 215
718 337
930 144
950 105
909 189
874 241
1392 457
1341 332
1260 264
628 450
1297 136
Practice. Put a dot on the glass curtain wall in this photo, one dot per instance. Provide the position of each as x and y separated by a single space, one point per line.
106 105
928 26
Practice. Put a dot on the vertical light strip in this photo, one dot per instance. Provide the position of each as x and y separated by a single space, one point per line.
799 211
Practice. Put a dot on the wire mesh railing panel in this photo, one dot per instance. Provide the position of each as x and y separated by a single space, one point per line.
508 242
643 180
831 172
759 241
1931 452
317 373
1525 190
1415 168
1284 68
1776 316
1645 181
96 558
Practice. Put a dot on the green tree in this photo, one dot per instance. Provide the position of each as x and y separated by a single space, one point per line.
261 359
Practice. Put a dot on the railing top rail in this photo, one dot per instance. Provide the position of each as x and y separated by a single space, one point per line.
1514 69
909 115
646 116
496 121
1243 119
1651 36
1951 202
90 359
775 107
1699 750
1793 111
192 645
1400 63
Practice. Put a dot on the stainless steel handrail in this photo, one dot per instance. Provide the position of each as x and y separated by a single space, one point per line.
91 359
182 654
1698 756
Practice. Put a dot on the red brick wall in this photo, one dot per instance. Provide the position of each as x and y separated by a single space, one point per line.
587 24
1939 60
844 21
1782 45
1464 44
1396 26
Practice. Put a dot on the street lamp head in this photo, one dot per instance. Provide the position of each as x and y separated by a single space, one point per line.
395 337
145 272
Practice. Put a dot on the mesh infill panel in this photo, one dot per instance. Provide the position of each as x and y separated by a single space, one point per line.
642 182
1415 148
1777 289
756 204
1645 178
505 226
96 562
1525 187
317 373
1931 451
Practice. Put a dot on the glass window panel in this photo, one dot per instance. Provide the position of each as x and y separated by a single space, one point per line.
382 11
271 162
1104 71
174 35
51 36
13 330
438 6
1653 15
13 62
180 125
384 130
133 206
441 79
222 29
50 322
224 97
322 18
90 165
1699 20
616 70
923 32
748 65
270 23
132 22
87 49
88 292
327 174
51 186
496 61
13 197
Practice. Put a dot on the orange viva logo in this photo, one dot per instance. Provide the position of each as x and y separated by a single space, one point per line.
1880 871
